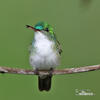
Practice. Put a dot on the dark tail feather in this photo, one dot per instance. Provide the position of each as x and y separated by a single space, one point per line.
44 82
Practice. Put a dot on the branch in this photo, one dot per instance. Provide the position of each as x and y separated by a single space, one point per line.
54 72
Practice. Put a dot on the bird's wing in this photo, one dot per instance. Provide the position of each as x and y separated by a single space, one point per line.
58 46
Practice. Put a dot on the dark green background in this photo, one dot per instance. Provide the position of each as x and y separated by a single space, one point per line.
77 26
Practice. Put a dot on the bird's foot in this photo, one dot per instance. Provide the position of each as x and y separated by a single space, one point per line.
36 71
50 72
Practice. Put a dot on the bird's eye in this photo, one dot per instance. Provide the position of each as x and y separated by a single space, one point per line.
46 29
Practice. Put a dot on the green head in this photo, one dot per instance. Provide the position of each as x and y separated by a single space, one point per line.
44 26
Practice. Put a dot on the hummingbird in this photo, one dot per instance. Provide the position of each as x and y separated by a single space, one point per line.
44 53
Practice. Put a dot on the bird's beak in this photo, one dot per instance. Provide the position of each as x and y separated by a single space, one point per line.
30 27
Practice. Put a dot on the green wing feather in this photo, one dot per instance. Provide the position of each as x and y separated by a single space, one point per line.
58 46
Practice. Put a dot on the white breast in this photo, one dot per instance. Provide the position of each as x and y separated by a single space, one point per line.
43 45
44 57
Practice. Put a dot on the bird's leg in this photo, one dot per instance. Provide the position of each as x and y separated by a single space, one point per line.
36 71
50 73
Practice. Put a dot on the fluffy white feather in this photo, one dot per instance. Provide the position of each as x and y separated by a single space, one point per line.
43 56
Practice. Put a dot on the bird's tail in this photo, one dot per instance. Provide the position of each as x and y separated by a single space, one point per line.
44 82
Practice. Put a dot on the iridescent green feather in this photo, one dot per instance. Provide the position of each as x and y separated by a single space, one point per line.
44 26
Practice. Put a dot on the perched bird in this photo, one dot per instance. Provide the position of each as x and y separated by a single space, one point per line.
44 53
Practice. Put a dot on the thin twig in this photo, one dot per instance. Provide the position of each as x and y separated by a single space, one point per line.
54 72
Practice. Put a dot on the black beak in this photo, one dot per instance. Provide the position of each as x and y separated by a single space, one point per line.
30 27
